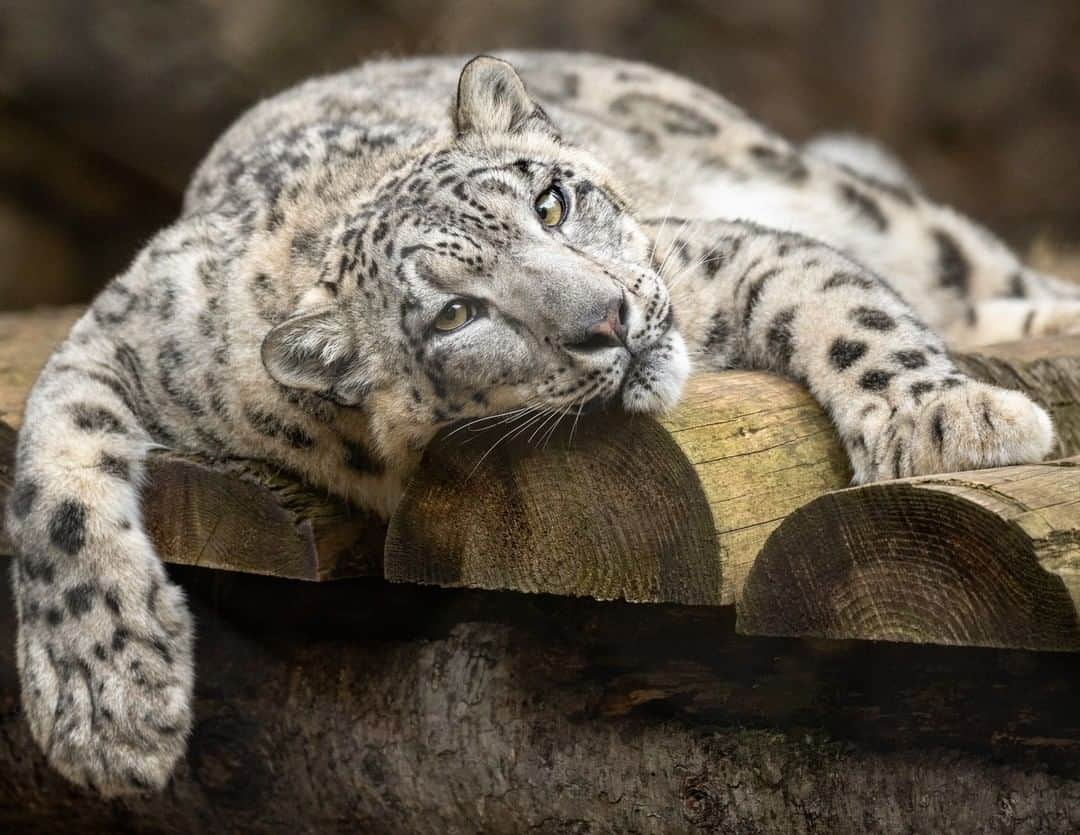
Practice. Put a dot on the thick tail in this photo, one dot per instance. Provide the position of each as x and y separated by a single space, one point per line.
104 642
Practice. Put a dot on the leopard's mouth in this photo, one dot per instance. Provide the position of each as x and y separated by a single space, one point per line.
655 377
652 381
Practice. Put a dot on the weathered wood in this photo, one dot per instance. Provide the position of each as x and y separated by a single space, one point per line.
616 514
761 447
985 558
626 509
247 517
26 341
615 507
565 522
242 516
363 706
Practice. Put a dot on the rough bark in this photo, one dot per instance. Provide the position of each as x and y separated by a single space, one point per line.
366 707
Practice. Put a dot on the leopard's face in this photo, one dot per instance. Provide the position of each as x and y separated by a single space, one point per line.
503 273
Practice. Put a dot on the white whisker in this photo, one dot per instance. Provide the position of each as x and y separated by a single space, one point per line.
671 249
509 434
573 426
555 426
686 272
470 423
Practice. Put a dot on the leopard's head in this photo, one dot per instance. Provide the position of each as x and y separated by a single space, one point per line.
498 271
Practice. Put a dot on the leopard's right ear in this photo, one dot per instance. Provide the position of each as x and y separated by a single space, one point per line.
312 351
491 99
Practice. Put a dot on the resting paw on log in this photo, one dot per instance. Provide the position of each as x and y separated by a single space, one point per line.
671 511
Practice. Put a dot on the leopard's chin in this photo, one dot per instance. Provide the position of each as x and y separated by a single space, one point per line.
654 381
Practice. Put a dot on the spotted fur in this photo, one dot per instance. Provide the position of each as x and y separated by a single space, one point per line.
289 315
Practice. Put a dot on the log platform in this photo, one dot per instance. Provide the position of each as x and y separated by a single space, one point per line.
665 672
740 497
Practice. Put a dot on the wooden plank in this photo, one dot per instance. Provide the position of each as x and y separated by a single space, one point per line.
629 508
759 446
985 558
615 514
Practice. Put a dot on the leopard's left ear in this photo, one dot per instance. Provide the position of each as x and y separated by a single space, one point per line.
312 351
491 98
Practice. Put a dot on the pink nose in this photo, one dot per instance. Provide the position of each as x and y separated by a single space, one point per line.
613 327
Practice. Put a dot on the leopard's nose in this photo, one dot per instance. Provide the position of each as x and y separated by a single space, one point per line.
608 332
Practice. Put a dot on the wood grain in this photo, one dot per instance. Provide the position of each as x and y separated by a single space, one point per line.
986 558
615 507
616 514
631 509
761 447
241 516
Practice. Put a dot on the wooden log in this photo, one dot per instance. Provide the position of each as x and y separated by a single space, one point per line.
628 508
620 508
362 706
242 516
985 558
618 514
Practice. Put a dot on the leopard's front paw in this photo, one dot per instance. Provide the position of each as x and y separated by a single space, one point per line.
106 682
969 427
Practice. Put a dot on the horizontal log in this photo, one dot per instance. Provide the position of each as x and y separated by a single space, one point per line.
616 514
611 506
621 507
362 706
241 516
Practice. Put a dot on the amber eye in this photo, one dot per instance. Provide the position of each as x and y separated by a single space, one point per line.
455 315
551 207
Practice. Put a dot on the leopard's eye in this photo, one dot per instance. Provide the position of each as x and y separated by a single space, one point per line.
456 314
551 207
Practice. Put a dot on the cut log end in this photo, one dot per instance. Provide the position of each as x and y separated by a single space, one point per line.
682 510
963 559
608 509
244 517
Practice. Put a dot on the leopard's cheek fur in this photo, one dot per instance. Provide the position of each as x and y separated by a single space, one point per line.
488 367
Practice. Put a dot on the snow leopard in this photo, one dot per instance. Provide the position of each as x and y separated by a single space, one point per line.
373 256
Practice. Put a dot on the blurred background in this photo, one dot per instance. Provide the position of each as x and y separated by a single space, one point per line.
107 105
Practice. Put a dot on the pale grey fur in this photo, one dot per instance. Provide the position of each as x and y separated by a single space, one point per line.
288 316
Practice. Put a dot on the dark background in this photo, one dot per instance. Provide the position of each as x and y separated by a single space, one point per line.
106 105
